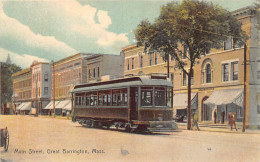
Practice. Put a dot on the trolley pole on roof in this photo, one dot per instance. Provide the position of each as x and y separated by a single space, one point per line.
245 62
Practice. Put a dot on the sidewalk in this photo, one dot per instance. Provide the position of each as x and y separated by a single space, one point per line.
223 128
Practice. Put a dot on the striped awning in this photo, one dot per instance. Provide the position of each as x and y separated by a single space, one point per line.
50 105
227 96
26 106
20 106
180 100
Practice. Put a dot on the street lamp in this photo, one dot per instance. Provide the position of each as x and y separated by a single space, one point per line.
53 87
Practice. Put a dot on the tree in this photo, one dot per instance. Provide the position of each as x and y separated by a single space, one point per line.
6 81
196 25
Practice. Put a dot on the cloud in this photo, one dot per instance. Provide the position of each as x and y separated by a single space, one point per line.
19 37
103 18
70 22
24 60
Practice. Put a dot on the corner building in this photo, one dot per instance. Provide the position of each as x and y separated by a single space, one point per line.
218 77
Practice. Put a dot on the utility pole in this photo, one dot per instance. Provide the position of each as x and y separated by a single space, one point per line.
53 88
168 67
245 62
36 98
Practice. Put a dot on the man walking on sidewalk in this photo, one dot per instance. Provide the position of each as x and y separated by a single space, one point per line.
195 121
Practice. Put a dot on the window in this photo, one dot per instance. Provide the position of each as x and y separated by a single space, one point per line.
235 43
156 58
184 79
125 98
46 77
151 58
160 97
184 55
225 72
128 64
94 72
258 75
234 70
141 61
239 112
258 103
133 63
146 96
191 78
45 90
172 77
169 97
208 73
98 72
89 73
228 43
100 100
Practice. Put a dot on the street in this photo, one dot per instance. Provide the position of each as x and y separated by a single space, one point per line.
48 139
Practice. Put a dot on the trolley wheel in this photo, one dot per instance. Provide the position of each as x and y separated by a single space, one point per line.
6 141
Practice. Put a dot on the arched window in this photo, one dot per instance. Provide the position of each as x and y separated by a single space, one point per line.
208 73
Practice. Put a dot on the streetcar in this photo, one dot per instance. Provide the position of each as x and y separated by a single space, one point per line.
141 103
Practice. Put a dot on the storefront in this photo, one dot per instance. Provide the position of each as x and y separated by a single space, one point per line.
224 102
180 104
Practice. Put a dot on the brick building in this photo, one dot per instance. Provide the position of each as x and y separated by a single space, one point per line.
22 91
78 69
218 77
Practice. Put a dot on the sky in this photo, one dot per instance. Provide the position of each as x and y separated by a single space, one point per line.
45 30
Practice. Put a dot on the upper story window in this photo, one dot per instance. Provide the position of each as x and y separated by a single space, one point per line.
89 73
228 43
156 58
258 103
94 72
151 58
225 72
141 61
185 51
98 72
234 70
128 64
46 91
172 77
207 73
46 77
230 71
133 63
258 75
184 79
191 78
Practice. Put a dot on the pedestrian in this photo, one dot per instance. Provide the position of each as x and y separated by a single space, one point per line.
222 117
215 116
233 120
195 121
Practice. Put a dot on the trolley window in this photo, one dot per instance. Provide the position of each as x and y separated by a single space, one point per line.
169 97
160 96
146 96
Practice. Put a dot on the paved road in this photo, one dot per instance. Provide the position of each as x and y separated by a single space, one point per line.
47 139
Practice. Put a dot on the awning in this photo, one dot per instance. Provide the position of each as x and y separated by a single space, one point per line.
62 104
180 100
20 106
50 105
228 96
26 106
68 106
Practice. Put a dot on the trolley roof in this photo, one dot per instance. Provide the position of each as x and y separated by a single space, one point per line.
125 82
